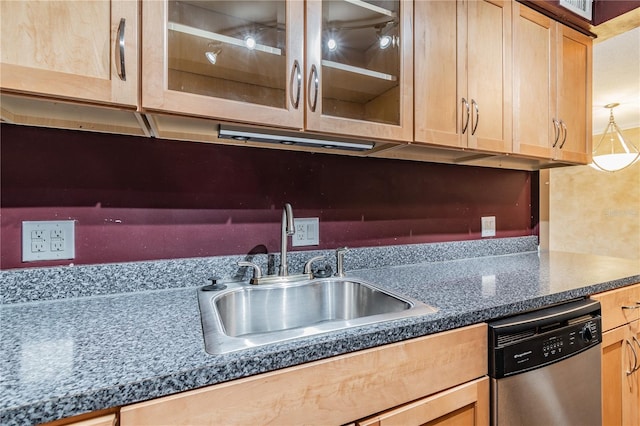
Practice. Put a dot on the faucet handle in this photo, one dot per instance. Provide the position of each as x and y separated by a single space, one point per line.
257 273
340 252
309 264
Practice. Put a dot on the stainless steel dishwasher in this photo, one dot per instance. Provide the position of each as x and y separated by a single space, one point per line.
545 366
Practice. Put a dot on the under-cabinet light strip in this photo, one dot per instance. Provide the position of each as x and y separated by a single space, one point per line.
173 26
228 133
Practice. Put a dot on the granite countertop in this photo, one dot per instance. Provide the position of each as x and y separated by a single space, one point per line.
69 356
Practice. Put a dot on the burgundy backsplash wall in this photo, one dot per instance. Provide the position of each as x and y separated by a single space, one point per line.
136 198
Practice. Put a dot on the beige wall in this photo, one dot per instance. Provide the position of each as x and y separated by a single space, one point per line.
589 211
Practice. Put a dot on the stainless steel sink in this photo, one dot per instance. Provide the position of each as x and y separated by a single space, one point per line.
244 316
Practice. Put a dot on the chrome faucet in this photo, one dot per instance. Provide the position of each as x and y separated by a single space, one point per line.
286 230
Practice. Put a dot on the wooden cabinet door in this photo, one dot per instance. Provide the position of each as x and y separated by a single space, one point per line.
463 74
574 95
71 49
230 60
467 404
534 83
489 66
635 332
360 68
620 393
438 114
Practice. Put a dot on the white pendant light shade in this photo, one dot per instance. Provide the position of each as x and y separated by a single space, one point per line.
612 152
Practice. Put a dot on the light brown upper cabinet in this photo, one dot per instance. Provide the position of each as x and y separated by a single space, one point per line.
78 50
236 61
463 86
360 68
247 62
575 68
552 88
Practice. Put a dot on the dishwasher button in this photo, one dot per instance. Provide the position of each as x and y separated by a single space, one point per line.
586 333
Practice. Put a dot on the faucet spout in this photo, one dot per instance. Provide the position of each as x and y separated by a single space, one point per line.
286 230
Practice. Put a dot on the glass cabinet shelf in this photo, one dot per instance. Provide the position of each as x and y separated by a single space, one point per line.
355 84
372 7
358 70
246 43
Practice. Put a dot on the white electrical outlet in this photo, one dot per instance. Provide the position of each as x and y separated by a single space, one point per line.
307 232
488 226
48 240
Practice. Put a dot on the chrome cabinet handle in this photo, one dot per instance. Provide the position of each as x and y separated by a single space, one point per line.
313 80
635 340
564 132
477 120
636 306
296 79
635 358
556 132
466 123
120 51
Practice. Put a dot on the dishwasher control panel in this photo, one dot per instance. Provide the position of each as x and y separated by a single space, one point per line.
523 344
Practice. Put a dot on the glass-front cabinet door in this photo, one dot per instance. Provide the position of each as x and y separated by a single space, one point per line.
247 61
230 60
360 68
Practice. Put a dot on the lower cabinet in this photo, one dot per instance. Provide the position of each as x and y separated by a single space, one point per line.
620 356
91 419
621 375
467 404
439 378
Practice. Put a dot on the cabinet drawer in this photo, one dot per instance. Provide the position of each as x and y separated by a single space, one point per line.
465 404
331 391
619 306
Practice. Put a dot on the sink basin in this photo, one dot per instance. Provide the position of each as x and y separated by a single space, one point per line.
244 316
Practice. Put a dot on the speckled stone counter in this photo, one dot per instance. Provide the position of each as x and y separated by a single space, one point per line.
73 355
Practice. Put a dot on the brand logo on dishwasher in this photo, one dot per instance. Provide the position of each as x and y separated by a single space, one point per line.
516 356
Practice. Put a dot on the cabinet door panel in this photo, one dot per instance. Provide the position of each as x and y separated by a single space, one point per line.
68 49
82 49
574 95
356 85
438 110
488 39
534 83
237 61
489 74
620 385
463 74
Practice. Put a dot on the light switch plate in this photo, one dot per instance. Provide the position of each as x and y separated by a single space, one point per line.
48 240
307 232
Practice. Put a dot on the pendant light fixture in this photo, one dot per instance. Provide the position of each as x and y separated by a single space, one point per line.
612 152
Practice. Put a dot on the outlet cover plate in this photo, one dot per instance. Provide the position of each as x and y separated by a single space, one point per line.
48 240
307 232
488 226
